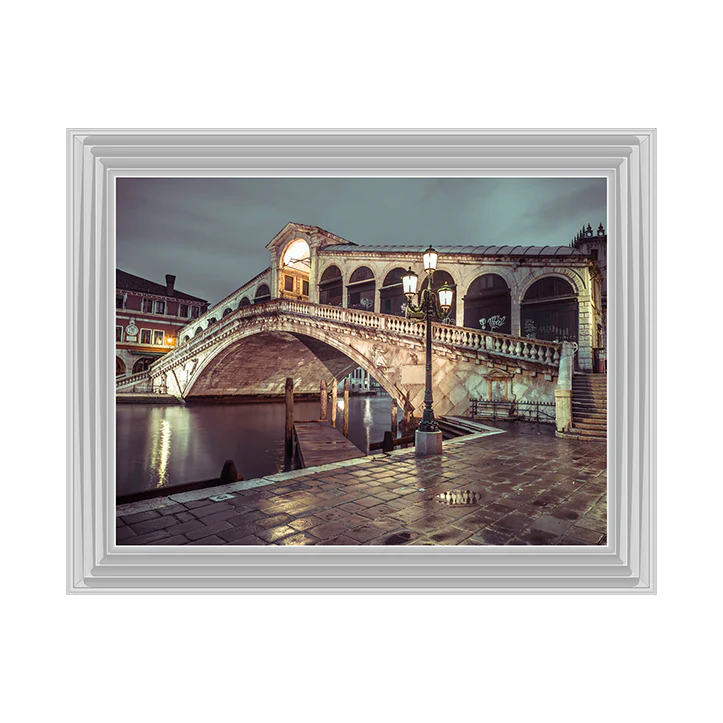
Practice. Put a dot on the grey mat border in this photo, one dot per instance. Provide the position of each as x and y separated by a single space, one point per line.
626 158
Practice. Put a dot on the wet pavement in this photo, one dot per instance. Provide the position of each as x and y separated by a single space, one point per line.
530 488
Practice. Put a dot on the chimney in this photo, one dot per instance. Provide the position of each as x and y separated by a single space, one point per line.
170 281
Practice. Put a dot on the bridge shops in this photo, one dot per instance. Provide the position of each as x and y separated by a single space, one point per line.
548 293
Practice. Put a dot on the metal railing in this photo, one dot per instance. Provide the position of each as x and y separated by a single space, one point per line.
541 412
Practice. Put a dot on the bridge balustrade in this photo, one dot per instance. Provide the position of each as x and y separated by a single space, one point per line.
535 350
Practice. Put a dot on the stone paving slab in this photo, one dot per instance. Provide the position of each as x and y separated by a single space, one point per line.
533 489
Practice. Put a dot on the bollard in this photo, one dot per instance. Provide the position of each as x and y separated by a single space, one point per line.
289 417
334 391
229 472
394 418
388 442
346 407
322 401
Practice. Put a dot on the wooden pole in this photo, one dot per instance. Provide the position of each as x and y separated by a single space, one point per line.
322 400
289 416
394 418
346 407
334 385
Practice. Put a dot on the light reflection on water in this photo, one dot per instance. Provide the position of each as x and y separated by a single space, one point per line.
157 446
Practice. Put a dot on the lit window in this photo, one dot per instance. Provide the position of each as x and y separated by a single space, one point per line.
158 338
145 336
195 311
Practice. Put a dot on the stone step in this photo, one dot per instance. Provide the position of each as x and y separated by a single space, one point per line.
599 429
586 432
590 417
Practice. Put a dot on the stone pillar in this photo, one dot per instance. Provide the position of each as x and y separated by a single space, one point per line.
345 417
288 435
334 392
585 332
515 315
322 400
459 307
563 392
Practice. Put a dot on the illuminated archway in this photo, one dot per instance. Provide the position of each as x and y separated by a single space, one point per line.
295 266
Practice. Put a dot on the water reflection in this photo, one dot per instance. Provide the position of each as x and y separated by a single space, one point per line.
157 446
161 454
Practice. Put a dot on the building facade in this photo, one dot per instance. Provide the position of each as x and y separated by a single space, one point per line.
148 318
552 293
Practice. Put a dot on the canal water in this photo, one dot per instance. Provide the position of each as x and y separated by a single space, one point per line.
163 445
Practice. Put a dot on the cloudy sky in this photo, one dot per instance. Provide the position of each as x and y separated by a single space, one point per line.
212 232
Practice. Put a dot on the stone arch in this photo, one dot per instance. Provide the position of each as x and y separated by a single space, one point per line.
228 310
550 309
120 367
361 288
142 364
488 296
569 275
245 301
186 338
339 344
262 293
331 286
391 295
199 329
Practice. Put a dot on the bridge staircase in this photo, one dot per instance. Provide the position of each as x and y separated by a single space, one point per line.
589 407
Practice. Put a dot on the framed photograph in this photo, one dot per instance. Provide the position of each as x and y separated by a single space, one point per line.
374 361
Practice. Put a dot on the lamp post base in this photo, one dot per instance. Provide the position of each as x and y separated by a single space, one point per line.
426 443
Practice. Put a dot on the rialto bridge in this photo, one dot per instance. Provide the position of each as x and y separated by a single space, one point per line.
326 306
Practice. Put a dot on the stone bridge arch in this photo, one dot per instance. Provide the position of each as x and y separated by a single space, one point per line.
208 363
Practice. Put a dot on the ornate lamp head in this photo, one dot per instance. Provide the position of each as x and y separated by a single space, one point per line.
409 283
445 297
430 259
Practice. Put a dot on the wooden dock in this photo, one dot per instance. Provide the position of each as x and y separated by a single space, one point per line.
317 442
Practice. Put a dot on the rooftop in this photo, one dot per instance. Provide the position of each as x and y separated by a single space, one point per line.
130 282
466 250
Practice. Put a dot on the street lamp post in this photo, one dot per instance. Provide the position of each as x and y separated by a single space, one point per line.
428 437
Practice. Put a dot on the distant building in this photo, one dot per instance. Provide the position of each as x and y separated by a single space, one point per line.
595 245
148 317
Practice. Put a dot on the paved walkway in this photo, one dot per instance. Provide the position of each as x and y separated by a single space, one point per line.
532 489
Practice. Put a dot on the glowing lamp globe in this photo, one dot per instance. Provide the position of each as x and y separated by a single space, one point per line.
409 282
430 259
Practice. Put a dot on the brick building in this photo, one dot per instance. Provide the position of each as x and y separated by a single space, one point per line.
148 317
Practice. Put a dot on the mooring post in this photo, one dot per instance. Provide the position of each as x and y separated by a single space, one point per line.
289 417
346 407
322 401
394 418
334 385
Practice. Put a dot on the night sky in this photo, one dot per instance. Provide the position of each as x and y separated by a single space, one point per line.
212 232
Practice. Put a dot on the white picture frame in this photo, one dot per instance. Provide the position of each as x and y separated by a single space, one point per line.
626 158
